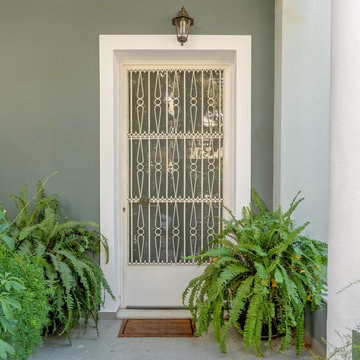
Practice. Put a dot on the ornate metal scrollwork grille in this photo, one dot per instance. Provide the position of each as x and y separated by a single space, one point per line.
175 162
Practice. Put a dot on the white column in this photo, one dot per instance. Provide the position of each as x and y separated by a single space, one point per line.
344 215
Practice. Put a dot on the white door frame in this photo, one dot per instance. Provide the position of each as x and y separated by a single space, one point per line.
115 50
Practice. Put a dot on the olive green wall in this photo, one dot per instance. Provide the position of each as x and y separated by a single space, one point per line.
49 86
315 324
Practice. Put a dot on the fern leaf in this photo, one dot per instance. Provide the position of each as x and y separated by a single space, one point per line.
78 267
26 231
299 336
261 271
257 201
216 252
240 299
229 273
251 318
68 281
217 317
278 276
257 333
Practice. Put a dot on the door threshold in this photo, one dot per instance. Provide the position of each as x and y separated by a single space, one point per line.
153 314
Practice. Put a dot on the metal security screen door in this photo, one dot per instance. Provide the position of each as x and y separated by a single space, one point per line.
175 145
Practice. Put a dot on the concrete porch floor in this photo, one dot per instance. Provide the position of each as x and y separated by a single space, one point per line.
108 346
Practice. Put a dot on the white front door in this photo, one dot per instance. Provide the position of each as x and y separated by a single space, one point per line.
178 166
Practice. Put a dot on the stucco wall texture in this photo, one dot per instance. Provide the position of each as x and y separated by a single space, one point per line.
49 86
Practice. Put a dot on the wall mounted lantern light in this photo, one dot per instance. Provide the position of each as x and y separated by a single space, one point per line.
182 22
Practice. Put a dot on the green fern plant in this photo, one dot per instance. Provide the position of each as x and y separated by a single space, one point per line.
66 251
27 311
262 269
8 285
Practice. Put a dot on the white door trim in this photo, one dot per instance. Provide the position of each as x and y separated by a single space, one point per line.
115 50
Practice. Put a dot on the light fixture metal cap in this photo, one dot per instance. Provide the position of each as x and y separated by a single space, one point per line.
183 14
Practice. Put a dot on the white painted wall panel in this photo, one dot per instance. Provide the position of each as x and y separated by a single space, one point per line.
302 98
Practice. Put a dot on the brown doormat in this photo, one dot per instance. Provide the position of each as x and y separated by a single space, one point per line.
157 328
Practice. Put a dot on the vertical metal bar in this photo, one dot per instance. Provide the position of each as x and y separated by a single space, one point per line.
202 159
149 172
184 232
202 101
184 110
166 102
149 99
130 175
208 103
167 165
132 234
184 113
131 100
220 100
221 137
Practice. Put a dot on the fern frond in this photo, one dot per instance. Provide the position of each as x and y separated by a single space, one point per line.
299 336
257 201
251 318
67 280
257 333
78 269
229 273
240 299
294 204
261 271
217 317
